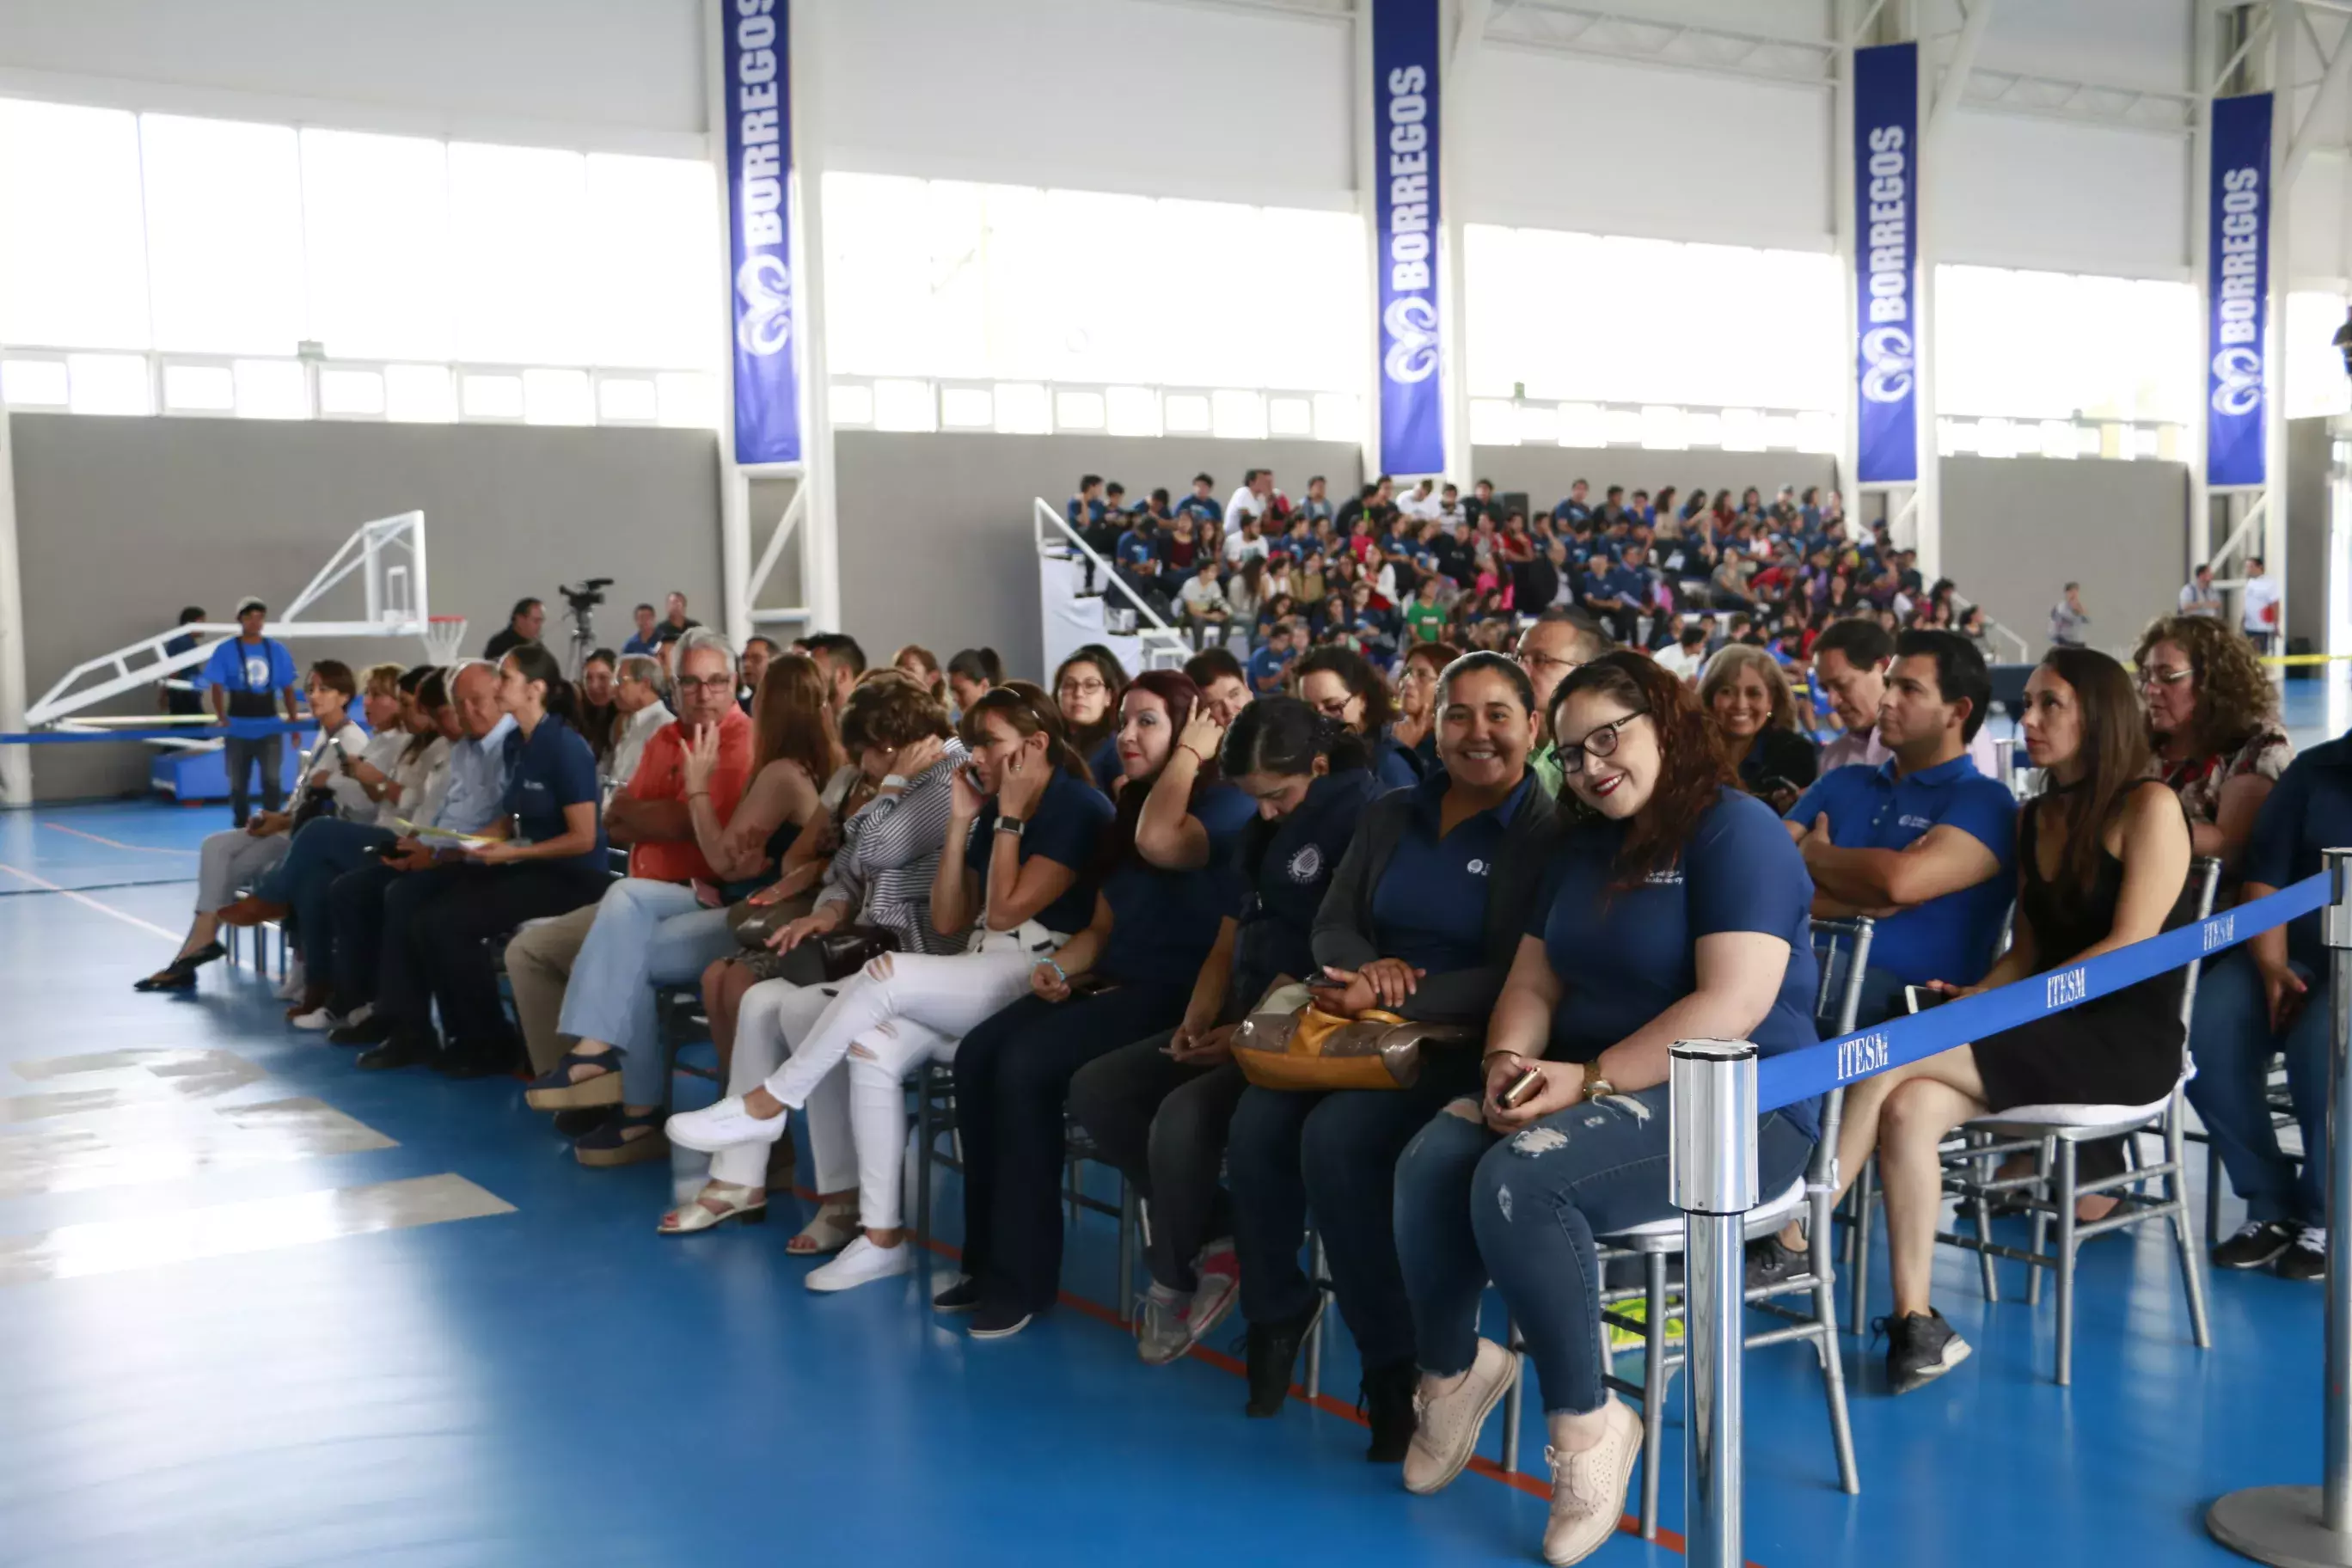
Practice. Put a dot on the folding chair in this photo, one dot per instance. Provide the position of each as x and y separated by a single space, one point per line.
2054 1134
2280 1098
681 1022
1660 1240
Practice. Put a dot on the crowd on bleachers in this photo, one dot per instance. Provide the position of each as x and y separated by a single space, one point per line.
1388 928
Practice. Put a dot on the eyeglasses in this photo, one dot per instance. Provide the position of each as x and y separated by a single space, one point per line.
1551 661
2159 677
708 683
1602 743
1081 689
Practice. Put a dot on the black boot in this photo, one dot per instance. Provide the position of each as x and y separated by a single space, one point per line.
1271 1351
1388 1405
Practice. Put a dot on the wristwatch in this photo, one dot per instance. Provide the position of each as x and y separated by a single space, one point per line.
1012 825
1596 1084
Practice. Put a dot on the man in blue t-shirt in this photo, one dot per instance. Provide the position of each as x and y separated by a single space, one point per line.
1923 842
1269 667
245 679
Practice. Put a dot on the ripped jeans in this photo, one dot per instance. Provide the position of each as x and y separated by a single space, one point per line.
1535 1202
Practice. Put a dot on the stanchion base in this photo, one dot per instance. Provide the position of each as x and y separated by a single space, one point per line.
2280 1525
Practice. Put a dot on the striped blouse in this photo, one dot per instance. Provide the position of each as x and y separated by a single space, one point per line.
890 853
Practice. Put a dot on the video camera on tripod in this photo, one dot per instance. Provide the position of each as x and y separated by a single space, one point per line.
582 597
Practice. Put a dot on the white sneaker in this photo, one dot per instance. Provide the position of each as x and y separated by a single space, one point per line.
725 1125
317 1019
862 1263
1588 1489
1446 1433
295 983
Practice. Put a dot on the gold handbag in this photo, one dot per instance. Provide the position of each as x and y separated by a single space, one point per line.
1308 1048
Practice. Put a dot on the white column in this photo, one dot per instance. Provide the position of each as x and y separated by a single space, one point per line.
2286 19
819 536
734 489
2204 54
1468 30
1845 18
1367 169
15 762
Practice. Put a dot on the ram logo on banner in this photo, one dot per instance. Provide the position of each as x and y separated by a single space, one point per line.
2236 273
759 228
1886 258
1404 117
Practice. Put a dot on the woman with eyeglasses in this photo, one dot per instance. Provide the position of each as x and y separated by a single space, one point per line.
1088 688
1415 728
1422 920
2213 716
1677 907
1341 684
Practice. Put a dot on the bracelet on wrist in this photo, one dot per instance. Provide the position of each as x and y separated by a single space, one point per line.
1054 964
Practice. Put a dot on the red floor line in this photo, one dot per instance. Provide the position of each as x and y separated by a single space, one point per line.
1532 1485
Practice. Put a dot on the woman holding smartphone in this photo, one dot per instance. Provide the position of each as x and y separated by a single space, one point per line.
1677 908
1422 920
1159 1110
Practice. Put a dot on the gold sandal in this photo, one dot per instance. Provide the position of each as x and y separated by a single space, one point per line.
834 1227
688 1219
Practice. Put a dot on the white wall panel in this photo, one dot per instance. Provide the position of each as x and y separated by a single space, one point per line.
1137 96
2315 224
626 75
2124 43
1601 148
2011 191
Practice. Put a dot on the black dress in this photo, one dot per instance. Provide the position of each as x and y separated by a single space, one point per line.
2123 1048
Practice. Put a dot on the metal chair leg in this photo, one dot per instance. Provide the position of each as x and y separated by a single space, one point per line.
2212 1188
1654 1393
1513 1398
2049 1163
1981 1211
1127 1203
1865 1188
2192 1261
1832 1356
2066 1204
1315 1332
924 1135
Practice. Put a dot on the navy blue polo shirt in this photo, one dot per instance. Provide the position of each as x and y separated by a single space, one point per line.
1104 763
1286 869
1225 810
1597 574
1430 908
553 768
1625 955
1391 766
1632 581
1951 938
2308 811
1066 828
1137 550
1163 924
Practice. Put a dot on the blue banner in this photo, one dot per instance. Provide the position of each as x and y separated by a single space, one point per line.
1405 234
756 62
2236 280
1793 1075
1885 259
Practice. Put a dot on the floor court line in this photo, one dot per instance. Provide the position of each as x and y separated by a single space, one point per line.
43 882
1519 1480
223 1230
116 842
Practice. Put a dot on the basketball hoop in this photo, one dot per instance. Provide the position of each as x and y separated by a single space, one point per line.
444 638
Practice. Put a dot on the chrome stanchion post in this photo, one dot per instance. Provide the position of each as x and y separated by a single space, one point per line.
2311 1527
1712 1090
2004 762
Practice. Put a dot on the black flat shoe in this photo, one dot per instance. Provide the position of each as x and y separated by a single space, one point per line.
204 955
176 977
370 1032
406 1049
1271 1351
471 1061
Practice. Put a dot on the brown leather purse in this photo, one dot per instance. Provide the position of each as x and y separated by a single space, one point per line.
1307 1048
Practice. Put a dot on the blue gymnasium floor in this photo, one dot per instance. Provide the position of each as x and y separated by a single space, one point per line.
249 1338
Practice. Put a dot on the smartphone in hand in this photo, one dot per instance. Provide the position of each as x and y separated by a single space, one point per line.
1920 998
1520 1090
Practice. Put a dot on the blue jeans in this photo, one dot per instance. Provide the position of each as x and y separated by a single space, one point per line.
2231 1040
322 851
1533 1204
646 934
1288 1151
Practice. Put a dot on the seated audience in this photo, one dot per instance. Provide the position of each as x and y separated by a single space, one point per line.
1341 685
1269 667
1225 685
1851 658
1415 728
1686 656
1675 909
524 622
1201 604
2103 862
1159 1109
1422 920
1560 642
839 659
924 666
972 672
1088 686
237 858
1013 877
544 856
643 641
600 716
1747 696
639 714
752 667
2213 716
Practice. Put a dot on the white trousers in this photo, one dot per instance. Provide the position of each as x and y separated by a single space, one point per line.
771 1017
901 1011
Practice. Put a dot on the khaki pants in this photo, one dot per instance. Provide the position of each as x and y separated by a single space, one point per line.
539 966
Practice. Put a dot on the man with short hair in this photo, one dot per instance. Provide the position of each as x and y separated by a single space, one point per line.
839 662
2200 597
1136 558
676 622
1851 658
1687 656
1602 595
588 977
175 696
1425 617
1482 502
1269 667
1203 604
637 694
1086 507
524 622
1317 507
757 652
245 679
1225 686
2258 610
1202 503
1549 651
1575 509
1421 503
645 641
1242 544
1250 500
2068 619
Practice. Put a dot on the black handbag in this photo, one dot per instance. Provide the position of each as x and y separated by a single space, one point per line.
834 954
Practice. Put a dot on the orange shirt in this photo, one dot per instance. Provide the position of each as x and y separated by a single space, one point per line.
661 776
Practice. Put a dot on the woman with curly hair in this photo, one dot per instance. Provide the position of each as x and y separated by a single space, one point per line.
2214 720
1675 908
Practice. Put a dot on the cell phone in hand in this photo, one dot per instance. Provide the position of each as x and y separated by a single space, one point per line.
1520 1090
1920 998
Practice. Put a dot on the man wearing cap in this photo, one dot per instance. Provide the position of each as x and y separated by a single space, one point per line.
245 681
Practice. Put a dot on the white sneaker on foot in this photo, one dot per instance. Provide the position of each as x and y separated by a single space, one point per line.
317 1019
1446 1433
725 1125
292 988
862 1263
1588 1489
